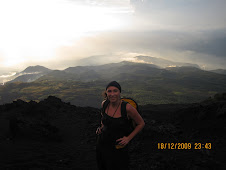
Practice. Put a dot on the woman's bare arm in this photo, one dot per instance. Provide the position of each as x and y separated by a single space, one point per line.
134 115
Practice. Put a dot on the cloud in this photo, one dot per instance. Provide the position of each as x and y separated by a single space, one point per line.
33 30
109 3
113 6
181 14
205 48
212 46
62 31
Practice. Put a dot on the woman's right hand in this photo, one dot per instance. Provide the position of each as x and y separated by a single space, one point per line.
99 130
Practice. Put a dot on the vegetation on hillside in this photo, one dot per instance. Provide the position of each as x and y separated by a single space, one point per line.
146 83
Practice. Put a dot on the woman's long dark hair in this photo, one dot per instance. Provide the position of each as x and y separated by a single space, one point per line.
104 95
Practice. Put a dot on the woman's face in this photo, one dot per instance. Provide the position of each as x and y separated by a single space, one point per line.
113 94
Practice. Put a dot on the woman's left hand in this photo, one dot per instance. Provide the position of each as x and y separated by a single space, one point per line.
123 141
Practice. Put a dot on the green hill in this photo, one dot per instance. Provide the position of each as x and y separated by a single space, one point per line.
147 83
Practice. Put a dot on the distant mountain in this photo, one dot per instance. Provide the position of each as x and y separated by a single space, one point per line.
33 69
97 67
105 72
187 70
105 59
30 74
126 71
147 83
98 60
27 77
163 62
219 71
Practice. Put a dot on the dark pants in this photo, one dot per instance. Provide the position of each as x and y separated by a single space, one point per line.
109 158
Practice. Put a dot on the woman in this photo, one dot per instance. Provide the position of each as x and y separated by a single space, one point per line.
114 134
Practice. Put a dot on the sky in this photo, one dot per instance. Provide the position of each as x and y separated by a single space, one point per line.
57 33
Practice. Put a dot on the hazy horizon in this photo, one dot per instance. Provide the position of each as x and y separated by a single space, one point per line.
58 33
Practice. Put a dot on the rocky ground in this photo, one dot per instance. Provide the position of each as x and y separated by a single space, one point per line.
52 134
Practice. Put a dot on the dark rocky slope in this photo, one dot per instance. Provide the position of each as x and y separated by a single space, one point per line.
52 134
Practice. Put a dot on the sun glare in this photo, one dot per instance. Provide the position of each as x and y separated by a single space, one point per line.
33 30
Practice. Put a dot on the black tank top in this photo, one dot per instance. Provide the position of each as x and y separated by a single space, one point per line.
114 128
